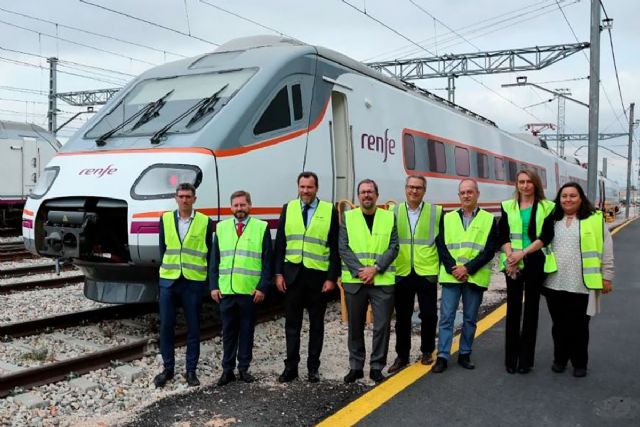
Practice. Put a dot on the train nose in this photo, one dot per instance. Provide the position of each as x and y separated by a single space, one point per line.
66 233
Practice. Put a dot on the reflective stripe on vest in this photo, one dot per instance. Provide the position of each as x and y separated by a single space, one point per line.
367 246
591 249
308 245
465 245
188 257
240 265
543 210
418 250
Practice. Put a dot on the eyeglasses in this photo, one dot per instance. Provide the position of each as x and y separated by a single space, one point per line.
414 187
367 192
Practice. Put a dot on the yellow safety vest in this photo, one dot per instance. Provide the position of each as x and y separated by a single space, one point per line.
465 245
367 246
309 245
240 257
543 210
591 249
418 250
188 257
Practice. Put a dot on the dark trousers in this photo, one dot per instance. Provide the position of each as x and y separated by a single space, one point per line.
570 328
522 326
406 290
305 292
188 294
238 314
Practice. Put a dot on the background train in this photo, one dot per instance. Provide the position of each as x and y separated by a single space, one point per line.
252 115
24 149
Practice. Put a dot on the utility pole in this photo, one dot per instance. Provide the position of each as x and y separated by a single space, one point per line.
629 162
594 98
52 114
561 119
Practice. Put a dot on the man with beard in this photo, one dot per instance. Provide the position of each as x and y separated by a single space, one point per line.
368 246
306 268
239 279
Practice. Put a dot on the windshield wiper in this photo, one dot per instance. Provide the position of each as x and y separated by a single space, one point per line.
102 139
202 108
153 111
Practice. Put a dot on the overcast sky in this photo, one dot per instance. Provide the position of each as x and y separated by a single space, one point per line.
419 28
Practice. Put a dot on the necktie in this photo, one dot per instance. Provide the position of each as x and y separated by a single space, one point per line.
305 214
239 228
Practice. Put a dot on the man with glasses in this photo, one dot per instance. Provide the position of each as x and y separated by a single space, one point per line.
368 243
417 267
466 243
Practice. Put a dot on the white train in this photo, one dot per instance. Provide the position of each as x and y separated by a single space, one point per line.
252 115
24 150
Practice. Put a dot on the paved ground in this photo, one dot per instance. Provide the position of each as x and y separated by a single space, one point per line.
608 396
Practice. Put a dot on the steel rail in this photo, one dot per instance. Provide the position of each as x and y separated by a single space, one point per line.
26 270
55 282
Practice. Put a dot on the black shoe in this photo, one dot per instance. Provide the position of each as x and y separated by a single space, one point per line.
161 379
558 368
440 366
288 375
192 379
376 375
246 376
353 375
427 359
524 369
579 372
464 360
313 376
398 364
226 378
511 369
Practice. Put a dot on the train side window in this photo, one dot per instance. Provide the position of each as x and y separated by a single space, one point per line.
437 157
483 165
296 95
543 177
499 164
511 172
276 116
463 168
409 150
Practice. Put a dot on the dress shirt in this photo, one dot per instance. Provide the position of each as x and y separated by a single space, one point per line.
414 215
466 220
312 209
184 224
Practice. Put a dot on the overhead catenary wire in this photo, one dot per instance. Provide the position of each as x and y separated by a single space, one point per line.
244 18
93 33
155 24
615 64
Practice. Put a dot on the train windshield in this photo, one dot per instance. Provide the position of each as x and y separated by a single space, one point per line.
180 94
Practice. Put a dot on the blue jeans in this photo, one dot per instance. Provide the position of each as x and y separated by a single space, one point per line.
449 300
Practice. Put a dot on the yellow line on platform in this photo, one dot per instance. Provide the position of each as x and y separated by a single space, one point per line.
372 400
620 227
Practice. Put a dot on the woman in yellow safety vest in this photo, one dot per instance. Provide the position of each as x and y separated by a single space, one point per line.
573 292
525 232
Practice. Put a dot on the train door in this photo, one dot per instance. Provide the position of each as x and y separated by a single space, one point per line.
30 164
343 170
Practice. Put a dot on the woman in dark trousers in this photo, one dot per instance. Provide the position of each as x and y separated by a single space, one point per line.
525 231
584 252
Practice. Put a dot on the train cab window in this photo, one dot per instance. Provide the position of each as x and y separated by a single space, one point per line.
296 96
463 167
276 116
499 164
512 171
483 165
409 150
437 157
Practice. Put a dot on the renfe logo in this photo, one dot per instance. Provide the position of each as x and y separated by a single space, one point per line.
99 172
385 145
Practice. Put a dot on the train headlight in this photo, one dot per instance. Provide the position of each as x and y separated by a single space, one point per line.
47 177
159 181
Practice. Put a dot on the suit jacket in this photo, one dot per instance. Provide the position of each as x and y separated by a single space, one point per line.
165 283
290 270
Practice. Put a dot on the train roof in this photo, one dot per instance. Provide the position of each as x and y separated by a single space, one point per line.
14 130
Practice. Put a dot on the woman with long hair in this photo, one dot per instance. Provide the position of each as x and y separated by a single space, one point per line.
525 231
573 292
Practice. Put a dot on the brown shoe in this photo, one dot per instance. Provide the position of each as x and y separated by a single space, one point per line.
427 359
397 365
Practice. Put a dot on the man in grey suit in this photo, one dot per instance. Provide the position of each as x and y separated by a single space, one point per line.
368 245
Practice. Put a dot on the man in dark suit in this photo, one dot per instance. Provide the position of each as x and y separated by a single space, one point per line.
185 247
306 268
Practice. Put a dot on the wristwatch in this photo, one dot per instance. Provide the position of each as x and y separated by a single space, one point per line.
377 267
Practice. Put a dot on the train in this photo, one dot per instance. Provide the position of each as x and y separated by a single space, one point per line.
252 115
25 149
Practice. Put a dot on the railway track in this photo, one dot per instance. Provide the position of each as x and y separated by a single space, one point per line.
27 270
56 371
55 282
15 255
